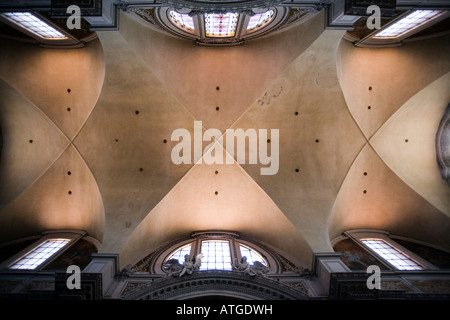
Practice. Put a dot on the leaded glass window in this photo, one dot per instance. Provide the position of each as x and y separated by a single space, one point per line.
221 24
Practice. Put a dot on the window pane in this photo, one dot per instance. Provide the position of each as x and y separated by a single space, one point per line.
408 23
216 255
179 254
34 25
221 24
39 254
259 20
392 255
182 20
252 255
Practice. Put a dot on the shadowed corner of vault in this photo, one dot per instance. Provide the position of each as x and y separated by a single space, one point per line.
31 143
407 143
216 197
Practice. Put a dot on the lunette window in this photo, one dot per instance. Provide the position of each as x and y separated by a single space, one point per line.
218 254
252 255
221 25
180 253
182 20
259 20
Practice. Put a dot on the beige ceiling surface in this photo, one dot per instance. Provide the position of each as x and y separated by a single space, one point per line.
130 89
386 78
192 73
217 197
411 131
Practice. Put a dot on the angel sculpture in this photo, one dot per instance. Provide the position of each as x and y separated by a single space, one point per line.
256 269
174 267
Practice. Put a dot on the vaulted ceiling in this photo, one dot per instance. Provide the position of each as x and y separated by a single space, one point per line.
87 138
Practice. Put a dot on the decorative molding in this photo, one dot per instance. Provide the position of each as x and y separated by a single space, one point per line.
200 284
223 6
299 286
157 17
87 7
152 263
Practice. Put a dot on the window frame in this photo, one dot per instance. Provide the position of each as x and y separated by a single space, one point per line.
161 17
234 242
72 236
358 235
69 41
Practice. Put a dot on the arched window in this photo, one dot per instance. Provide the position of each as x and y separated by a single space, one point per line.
213 26
221 250
179 254
182 21
252 255
259 20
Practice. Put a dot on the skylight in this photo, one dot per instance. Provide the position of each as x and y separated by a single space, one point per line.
182 20
395 257
34 25
41 253
408 23
221 24
216 255
259 20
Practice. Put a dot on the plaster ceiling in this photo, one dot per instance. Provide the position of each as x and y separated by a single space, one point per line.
131 88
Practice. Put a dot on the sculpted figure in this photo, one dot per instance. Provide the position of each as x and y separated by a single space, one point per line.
189 266
257 268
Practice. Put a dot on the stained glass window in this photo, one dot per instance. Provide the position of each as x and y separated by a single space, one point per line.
34 25
411 21
182 20
216 255
391 254
259 20
251 255
221 24
41 253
